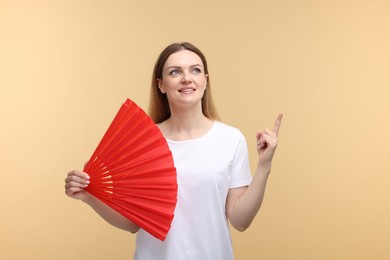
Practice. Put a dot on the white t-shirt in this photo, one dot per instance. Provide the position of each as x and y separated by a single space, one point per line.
207 167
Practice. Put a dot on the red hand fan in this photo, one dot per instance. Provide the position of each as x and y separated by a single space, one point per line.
132 171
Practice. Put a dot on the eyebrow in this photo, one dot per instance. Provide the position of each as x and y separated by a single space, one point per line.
179 67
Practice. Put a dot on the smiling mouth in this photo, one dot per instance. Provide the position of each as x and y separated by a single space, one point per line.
187 90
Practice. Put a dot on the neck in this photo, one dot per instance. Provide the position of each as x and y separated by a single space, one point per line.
186 124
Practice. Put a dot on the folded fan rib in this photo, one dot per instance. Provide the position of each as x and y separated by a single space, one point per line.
132 171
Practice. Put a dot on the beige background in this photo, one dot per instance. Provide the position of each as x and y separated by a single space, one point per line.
66 66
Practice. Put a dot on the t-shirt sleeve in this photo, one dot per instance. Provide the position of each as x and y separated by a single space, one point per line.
240 169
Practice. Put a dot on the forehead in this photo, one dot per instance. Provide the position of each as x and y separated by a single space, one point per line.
183 58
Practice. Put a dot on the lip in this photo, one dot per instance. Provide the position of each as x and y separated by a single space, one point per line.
187 90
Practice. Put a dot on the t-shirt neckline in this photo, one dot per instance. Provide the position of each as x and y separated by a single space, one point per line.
196 139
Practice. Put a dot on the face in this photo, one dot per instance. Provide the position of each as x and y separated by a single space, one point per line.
183 80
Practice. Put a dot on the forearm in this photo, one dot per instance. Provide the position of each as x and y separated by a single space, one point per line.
110 215
247 206
243 204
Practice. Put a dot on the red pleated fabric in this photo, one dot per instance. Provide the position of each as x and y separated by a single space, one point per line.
133 172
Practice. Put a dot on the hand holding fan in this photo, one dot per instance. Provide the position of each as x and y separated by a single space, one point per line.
132 171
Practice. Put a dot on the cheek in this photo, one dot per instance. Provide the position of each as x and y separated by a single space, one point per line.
168 84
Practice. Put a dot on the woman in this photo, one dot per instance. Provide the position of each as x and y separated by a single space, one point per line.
211 159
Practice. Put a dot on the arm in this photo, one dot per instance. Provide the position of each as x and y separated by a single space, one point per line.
76 181
243 203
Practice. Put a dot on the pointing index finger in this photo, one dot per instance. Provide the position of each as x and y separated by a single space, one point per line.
278 123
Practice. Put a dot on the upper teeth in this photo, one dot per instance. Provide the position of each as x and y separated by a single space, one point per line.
186 89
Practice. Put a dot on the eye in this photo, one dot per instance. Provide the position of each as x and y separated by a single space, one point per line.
174 72
196 70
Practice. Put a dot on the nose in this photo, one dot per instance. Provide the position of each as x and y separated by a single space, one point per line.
186 77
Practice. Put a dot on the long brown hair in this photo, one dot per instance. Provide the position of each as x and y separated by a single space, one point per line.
159 109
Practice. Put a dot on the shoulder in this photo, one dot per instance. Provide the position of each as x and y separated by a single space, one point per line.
225 129
163 126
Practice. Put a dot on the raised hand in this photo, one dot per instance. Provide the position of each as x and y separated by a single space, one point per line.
267 141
